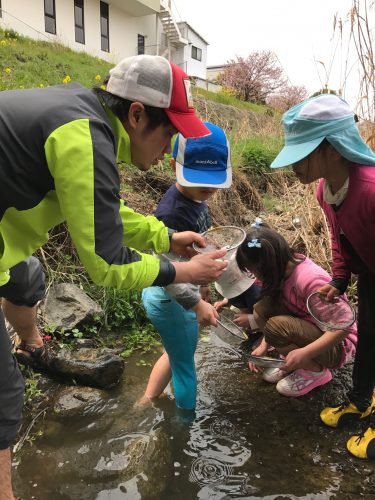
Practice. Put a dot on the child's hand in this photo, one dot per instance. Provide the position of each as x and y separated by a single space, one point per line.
206 313
242 320
295 359
205 292
261 350
220 304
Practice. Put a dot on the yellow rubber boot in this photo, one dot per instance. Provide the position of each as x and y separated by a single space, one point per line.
363 446
344 414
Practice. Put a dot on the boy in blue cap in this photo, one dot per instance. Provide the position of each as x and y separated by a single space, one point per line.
322 143
202 166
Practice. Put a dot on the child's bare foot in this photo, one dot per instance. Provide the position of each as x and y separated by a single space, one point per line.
143 402
146 401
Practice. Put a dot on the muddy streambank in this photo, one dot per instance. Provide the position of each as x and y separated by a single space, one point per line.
244 441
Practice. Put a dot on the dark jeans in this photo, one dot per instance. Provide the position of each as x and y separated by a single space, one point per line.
11 390
364 363
26 285
247 299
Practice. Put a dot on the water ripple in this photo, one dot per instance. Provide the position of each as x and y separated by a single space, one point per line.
207 471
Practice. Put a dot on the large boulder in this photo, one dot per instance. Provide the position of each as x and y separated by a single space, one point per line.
94 367
67 306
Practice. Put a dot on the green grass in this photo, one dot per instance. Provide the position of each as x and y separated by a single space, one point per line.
255 153
28 63
222 98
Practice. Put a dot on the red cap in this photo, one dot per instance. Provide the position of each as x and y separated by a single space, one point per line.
181 111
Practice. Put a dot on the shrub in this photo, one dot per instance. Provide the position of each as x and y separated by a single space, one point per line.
259 154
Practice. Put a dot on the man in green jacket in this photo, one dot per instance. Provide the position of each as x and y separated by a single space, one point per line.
59 153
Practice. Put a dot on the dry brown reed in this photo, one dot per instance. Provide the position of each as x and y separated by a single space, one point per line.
361 37
302 222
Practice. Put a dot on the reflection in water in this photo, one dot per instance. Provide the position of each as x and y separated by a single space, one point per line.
244 442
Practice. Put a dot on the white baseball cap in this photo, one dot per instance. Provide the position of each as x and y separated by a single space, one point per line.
154 81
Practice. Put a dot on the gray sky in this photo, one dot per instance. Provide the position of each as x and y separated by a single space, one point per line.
300 32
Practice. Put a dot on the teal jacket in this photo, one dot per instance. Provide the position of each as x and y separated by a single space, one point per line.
59 155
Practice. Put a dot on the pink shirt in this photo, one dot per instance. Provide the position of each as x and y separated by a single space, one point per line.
306 278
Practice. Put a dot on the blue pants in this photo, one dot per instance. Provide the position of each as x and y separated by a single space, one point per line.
178 329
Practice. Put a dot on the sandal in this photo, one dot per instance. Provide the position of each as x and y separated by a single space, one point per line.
37 358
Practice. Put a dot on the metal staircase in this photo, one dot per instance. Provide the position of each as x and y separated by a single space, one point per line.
170 27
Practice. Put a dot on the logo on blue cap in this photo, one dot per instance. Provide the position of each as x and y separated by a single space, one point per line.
204 161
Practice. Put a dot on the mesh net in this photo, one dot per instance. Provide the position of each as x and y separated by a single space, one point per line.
266 362
228 237
229 326
336 315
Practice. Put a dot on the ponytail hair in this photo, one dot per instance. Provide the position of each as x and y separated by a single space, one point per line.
266 254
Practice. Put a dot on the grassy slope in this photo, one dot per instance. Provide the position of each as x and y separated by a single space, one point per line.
29 63
223 98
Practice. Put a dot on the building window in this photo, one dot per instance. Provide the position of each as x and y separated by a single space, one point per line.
196 53
104 26
50 16
141 44
79 21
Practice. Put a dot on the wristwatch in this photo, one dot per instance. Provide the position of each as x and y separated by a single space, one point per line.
170 233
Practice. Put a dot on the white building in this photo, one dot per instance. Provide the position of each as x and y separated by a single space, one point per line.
214 71
193 55
110 29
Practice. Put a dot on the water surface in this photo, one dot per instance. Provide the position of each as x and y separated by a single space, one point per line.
244 441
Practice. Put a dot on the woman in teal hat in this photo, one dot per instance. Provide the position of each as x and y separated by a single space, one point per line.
322 143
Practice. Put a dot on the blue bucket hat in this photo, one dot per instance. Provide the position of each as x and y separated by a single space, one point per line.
204 161
325 116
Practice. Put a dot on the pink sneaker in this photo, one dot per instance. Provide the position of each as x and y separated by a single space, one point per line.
301 382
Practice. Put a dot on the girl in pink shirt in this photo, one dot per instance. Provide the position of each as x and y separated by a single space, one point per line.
288 278
322 142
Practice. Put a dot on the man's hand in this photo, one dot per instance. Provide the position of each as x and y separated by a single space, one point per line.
329 291
181 243
206 313
201 269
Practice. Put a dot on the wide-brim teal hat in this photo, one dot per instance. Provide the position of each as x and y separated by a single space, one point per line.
325 116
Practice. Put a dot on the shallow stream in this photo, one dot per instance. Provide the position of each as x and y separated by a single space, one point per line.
245 441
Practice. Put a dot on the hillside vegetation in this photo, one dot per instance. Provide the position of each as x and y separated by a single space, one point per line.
28 63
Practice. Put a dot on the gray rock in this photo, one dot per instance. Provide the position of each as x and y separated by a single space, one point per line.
73 401
84 342
94 367
67 306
